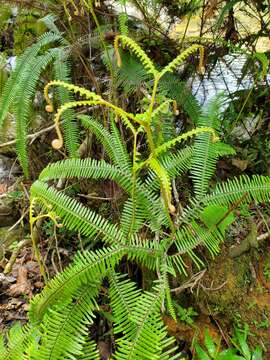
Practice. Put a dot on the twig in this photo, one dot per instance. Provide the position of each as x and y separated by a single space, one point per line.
30 136
14 255
190 283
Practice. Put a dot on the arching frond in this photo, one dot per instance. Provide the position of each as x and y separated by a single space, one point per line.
87 268
23 102
19 338
179 59
145 335
65 326
75 216
122 156
243 189
123 296
137 50
171 143
205 150
21 72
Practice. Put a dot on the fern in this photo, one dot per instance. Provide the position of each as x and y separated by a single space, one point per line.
205 153
136 49
84 270
76 216
65 326
243 189
150 231
21 72
22 105
179 59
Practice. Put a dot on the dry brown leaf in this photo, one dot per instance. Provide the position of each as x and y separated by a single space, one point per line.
22 286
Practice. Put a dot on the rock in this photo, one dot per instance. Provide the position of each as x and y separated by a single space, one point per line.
8 212
8 237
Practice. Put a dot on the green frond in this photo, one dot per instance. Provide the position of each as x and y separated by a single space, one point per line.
174 164
123 296
70 126
99 169
102 135
145 252
65 327
122 20
49 21
179 59
21 73
145 334
174 88
87 268
75 216
205 150
87 169
90 351
19 338
22 105
131 75
222 149
138 51
132 218
191 236
243 189
166 269
169 144
123 158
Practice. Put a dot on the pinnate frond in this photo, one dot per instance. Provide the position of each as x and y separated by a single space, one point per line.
87 268
179 59
65 326
75 216
243 189
137 50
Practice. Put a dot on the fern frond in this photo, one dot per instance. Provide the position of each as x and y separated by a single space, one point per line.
137 50
65 327
95 169
71 131
205 151
123 158
169 144
243 189
70 87
131 75
174 164
102 135
75 216
179 59
90 351
132 218
123 296
145 335
21 72
19 338
122 20
87 268
23 104
222 149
